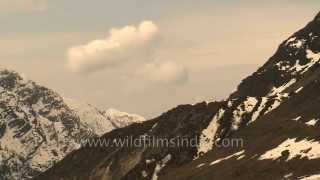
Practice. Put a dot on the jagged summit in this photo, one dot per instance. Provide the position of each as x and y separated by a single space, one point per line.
294 58
38 127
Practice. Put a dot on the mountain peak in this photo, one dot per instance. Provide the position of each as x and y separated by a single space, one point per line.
9 79
39 128
123 118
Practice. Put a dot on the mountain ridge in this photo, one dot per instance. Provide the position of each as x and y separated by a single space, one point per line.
38 128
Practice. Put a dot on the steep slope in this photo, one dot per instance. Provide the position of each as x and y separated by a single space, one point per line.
285 144
282 144
37 127
275 106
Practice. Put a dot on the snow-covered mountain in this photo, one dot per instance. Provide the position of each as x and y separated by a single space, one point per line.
101 121
275 111
38 127
122 119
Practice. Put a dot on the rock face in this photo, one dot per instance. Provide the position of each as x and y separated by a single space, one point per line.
275 112
38 128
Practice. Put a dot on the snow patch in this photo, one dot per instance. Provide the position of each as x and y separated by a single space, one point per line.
290 40
313 57
200 165
262 105
310 177
277 101
297 118
207 135
277 90
295 43
298 90
312 122
160 166
240 157
287 175
304 148
246 107
240 153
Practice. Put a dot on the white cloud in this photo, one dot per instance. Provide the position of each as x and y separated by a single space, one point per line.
165 72
23 5
127 43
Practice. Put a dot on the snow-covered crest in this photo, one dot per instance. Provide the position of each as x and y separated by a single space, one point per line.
39 128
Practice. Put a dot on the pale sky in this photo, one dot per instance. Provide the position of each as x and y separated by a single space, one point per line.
145 56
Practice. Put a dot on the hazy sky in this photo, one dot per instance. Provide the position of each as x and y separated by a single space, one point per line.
145 56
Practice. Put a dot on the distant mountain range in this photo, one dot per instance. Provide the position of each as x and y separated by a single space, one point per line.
274 112
38 127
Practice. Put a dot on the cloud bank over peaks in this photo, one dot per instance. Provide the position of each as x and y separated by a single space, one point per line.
124 44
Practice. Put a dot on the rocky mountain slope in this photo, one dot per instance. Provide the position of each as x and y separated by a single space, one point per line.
38 128
275 111
102 121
